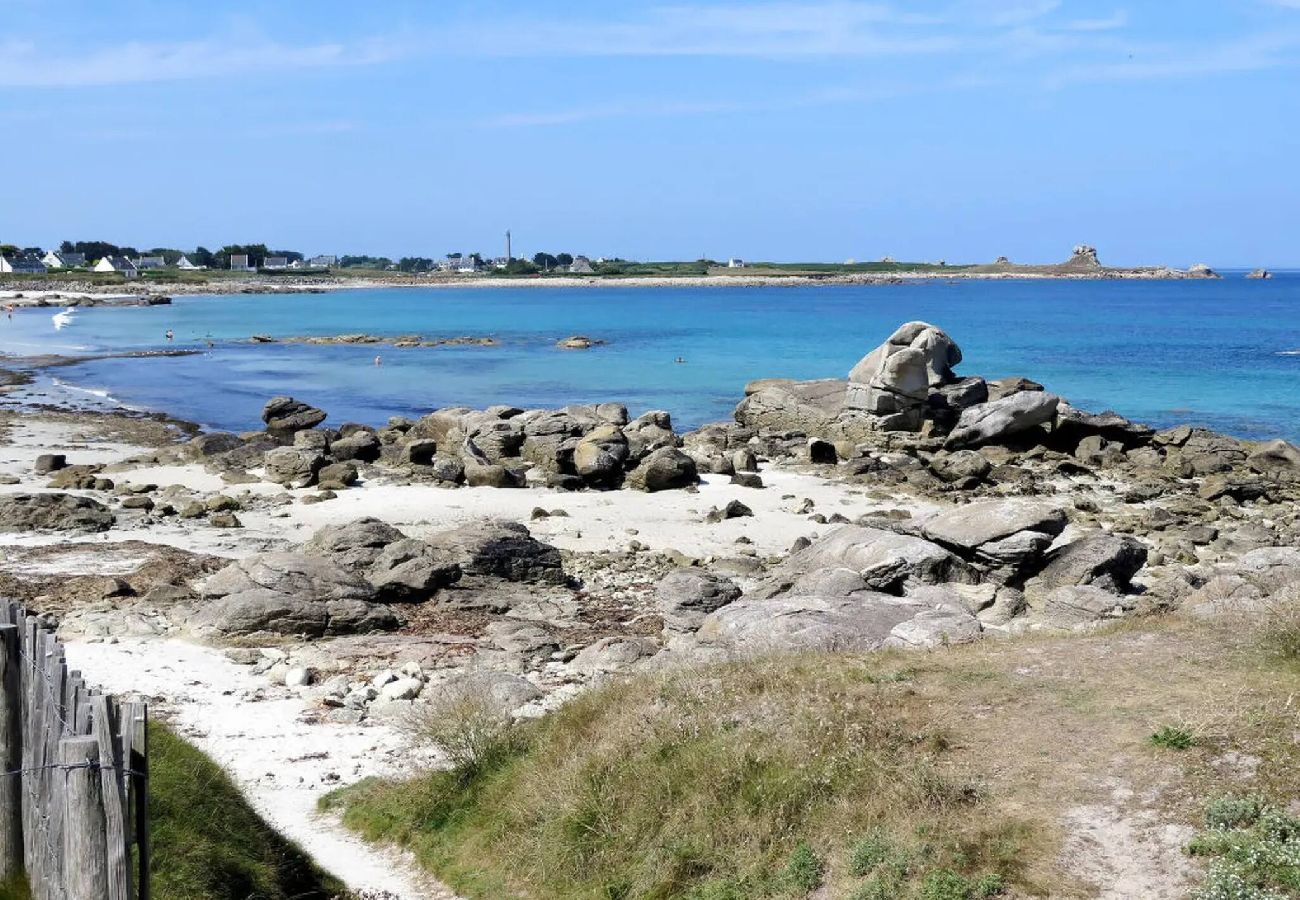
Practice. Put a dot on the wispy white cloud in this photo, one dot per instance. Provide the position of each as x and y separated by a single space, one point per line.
25 64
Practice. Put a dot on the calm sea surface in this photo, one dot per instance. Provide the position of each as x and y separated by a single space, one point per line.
1220 353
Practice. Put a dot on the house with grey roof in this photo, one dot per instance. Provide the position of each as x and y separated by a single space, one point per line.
57 259
22 264
117 264
150 262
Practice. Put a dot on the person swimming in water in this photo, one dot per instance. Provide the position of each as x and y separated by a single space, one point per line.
379 360
680 359
170 334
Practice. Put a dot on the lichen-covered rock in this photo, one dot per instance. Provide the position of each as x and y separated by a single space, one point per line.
53 512
988 423
284 416
292 467
685 596
502 550
664 469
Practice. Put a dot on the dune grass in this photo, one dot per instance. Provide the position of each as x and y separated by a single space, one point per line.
209 844
753 779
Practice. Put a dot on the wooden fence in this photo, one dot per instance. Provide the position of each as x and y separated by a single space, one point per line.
73 774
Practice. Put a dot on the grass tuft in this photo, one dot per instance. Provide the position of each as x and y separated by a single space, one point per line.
1173 737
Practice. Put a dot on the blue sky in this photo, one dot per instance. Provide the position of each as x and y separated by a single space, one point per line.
957 129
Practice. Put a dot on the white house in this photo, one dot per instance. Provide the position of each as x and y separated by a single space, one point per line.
581 266
23 264
466 265
56 259
150 262
324 261
276 262
239 263
735 263
185 263
119 264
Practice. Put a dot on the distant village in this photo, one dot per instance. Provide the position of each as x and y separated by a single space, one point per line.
110 259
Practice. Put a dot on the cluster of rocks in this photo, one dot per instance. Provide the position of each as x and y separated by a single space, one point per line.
596 446
348 578
401 342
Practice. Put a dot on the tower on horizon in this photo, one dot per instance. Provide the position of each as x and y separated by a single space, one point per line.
508 255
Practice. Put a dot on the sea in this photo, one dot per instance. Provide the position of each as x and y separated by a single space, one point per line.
1224 354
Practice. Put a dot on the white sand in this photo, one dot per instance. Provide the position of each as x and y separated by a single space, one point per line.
282 764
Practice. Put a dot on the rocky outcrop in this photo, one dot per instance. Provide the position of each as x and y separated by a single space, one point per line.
53 512
292 467
290 594
896 378
664 469
806 407
1260 275
285 416
501 550
997 420
1004 537
684 597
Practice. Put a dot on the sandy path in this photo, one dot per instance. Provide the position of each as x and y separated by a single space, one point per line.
256 733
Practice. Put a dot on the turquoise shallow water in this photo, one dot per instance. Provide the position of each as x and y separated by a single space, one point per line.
1218 353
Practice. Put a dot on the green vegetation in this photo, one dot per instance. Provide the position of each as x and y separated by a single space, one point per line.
1255 850
1173 737
747 780
208 843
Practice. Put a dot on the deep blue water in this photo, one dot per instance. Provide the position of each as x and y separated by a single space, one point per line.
1208 352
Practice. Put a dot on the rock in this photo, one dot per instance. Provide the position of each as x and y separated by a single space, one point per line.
788 624
972 526
1222 595
299 676
338 475
284 416
599 456
224 520
897 376
960 466
1074 425
356 545
1201 270
1239 488
1078 605
501 550
806 407
1006 387
213 443
747 479
649 432
664 469
137 501
1103 560
578 342
613 654
313 440
288 593
292 467
882 560
685 596
49 462
410 570
990 422
53 512
419 451
961 394
943 625
401 689
360 445
821 452
502 691
497 440
733 510
477 475
448 469
1260 275
1277 459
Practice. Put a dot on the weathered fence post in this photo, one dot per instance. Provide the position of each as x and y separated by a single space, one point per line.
11 755
113 784
85 849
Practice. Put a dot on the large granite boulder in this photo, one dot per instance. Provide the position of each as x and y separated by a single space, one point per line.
987 423
501 550
498 440
599 456
292 467
781 405
354 545
1001 534
363 446
289 593
664 469
647 433
791 623
412 570
1277 459
53 512
284 416
898 375
685 596
213 443
1107 561
1075 606
855 558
